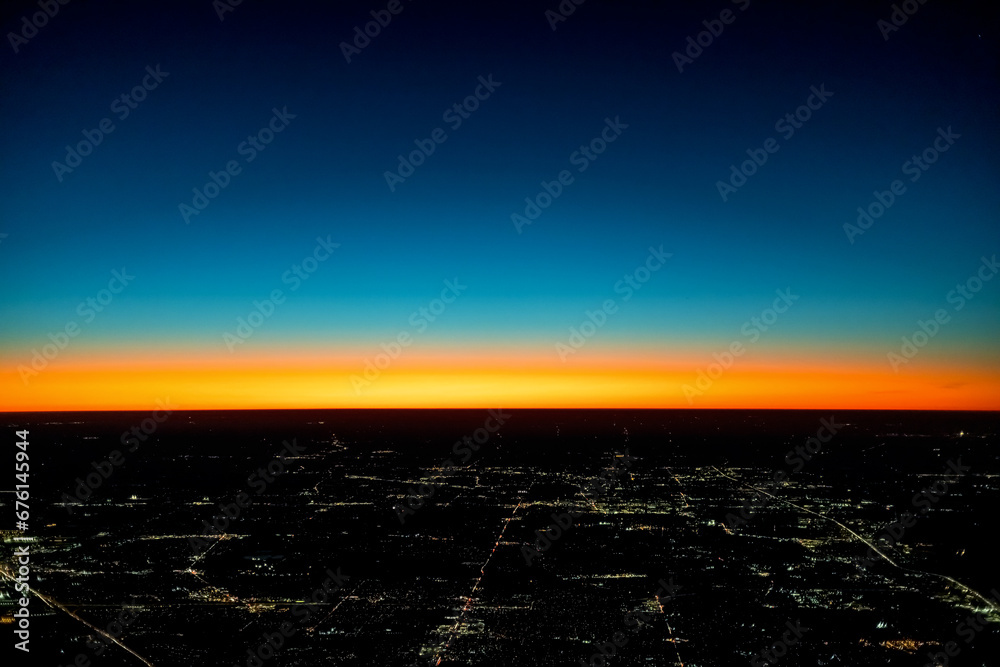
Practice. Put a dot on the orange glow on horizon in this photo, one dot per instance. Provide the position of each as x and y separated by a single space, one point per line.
470 380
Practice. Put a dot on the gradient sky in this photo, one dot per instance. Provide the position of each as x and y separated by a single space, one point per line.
655 185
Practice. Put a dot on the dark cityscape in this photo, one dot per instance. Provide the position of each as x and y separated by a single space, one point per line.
693 538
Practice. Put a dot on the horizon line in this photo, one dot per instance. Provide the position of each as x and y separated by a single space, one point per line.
492 407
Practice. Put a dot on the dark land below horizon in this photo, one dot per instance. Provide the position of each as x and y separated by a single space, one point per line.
215 528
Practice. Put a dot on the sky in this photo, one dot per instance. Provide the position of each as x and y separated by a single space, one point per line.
494 205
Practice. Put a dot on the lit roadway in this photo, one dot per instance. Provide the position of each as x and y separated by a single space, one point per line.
56 605
872 546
